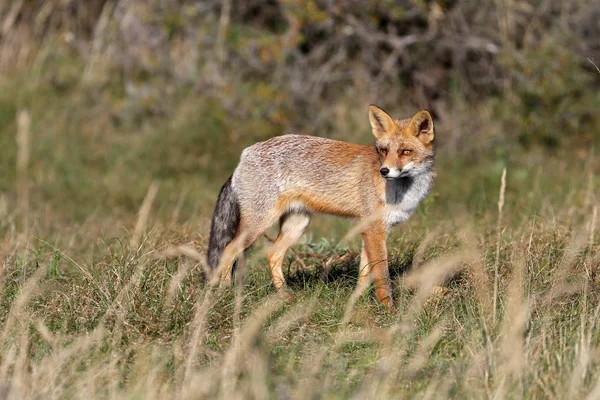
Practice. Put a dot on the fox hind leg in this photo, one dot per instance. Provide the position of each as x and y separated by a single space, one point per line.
230 255
248 232
292 227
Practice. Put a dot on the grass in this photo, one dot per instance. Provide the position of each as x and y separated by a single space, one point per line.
103 294
86 311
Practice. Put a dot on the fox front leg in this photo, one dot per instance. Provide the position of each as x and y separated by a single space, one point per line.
376 251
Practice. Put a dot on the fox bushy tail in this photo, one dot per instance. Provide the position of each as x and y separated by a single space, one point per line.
224 225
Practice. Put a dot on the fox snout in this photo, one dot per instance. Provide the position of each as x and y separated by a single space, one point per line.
394 172
390 173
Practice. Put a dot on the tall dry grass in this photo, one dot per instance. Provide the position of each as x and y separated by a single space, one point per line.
518 319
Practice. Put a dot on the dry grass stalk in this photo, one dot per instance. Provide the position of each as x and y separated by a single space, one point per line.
175 284
46 334
311 366
98 40
421 356
584 353
198 330
62 365
560 285
591 269
440 386
11 16
480 279
118 306
222 33
512 347
17 310
388 364
178 206
23 154
594 64
242 346
431 276
424 245
143 215
593 225
363 224
189 251
354 297
498 239
292 317
239 289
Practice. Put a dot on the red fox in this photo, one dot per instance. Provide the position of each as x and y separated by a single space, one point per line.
290 177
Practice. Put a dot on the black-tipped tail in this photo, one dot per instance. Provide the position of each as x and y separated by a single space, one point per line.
224 225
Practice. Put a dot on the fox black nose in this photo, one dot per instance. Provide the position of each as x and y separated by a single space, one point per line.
384 171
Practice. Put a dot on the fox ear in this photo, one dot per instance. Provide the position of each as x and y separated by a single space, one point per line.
381 122
422 127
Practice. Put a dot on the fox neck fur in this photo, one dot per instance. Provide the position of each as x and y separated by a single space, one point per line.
403 195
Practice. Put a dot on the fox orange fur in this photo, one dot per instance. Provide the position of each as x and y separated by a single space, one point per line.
291 177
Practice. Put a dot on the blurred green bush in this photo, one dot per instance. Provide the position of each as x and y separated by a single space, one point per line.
289 62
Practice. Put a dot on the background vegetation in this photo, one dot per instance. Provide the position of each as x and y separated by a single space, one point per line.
119 121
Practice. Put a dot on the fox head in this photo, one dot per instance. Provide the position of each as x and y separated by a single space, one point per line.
405 147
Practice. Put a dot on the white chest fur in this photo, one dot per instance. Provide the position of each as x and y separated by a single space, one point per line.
402 196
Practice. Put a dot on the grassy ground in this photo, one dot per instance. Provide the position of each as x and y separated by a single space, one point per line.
104 213
100 300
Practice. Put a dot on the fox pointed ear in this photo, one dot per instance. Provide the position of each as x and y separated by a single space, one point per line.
422 127
381 122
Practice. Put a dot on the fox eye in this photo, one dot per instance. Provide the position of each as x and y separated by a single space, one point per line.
383 151
406 152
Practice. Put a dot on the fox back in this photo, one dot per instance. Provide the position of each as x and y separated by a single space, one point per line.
293 172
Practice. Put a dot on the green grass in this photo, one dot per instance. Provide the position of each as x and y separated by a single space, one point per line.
84 313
